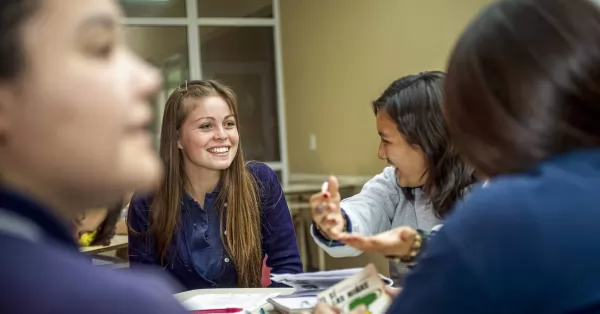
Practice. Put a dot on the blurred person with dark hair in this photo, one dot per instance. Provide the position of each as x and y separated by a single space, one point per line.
74 107
425 178
99 225
523 106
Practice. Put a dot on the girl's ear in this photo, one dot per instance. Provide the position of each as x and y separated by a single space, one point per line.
179 141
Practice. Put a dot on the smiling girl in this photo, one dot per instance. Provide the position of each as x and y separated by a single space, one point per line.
215 217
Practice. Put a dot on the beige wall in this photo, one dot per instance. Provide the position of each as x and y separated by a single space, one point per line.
338 55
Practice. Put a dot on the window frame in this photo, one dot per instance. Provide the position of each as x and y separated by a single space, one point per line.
193 23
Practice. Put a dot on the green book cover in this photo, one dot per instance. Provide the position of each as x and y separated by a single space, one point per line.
365 288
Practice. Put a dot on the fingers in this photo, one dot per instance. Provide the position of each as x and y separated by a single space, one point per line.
315 200
392 292
336 232
322 202
331 224
334 186
407 235
325 208
365 244
324 308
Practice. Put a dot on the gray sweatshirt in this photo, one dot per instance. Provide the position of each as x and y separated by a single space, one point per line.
381 206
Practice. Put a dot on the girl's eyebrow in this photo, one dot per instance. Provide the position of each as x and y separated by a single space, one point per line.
105 21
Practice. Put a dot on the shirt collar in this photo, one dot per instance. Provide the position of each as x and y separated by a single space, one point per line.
29 210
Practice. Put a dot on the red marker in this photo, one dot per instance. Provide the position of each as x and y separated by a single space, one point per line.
218 311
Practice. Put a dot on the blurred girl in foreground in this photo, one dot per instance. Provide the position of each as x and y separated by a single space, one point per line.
74 105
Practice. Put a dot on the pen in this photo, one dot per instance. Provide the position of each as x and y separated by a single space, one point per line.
324 189
220 311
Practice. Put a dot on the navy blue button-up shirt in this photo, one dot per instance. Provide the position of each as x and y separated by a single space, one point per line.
201 260
42 270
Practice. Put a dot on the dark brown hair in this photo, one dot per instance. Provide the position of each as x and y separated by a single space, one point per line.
414 102
238 189
107 229
13 14
523 83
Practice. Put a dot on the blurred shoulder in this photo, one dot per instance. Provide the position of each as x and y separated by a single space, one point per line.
506 200
98 290
143 199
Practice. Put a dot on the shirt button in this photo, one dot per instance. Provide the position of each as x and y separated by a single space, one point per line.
225 232
226 259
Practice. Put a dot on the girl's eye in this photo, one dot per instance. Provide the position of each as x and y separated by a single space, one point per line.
230 123
205 126
102 52
100 43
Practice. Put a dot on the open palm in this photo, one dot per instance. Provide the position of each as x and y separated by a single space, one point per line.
396 242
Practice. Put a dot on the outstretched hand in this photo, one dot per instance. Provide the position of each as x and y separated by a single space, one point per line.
395 242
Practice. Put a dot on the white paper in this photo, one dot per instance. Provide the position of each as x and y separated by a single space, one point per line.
247 302
319 280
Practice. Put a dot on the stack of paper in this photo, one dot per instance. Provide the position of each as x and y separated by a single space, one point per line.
292 304
345 289
319 280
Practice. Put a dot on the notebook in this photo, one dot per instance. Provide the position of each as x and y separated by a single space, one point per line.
319 280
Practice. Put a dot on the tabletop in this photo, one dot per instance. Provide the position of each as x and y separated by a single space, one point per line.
117 242
268 308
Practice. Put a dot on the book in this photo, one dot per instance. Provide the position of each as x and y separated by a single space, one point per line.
364 288
292 305
319 280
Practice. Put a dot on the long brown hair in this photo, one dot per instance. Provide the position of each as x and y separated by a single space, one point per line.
241 217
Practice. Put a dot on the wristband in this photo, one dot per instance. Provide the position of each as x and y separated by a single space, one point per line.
415 250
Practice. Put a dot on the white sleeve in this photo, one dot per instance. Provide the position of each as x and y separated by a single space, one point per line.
370 212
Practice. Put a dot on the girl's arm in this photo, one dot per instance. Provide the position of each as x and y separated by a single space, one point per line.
277 228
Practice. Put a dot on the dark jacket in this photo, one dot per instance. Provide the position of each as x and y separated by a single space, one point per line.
43 272
525 243
200 260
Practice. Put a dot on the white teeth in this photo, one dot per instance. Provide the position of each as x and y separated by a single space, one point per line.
219 150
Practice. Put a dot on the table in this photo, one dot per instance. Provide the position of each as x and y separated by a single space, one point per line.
268 308
117 242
